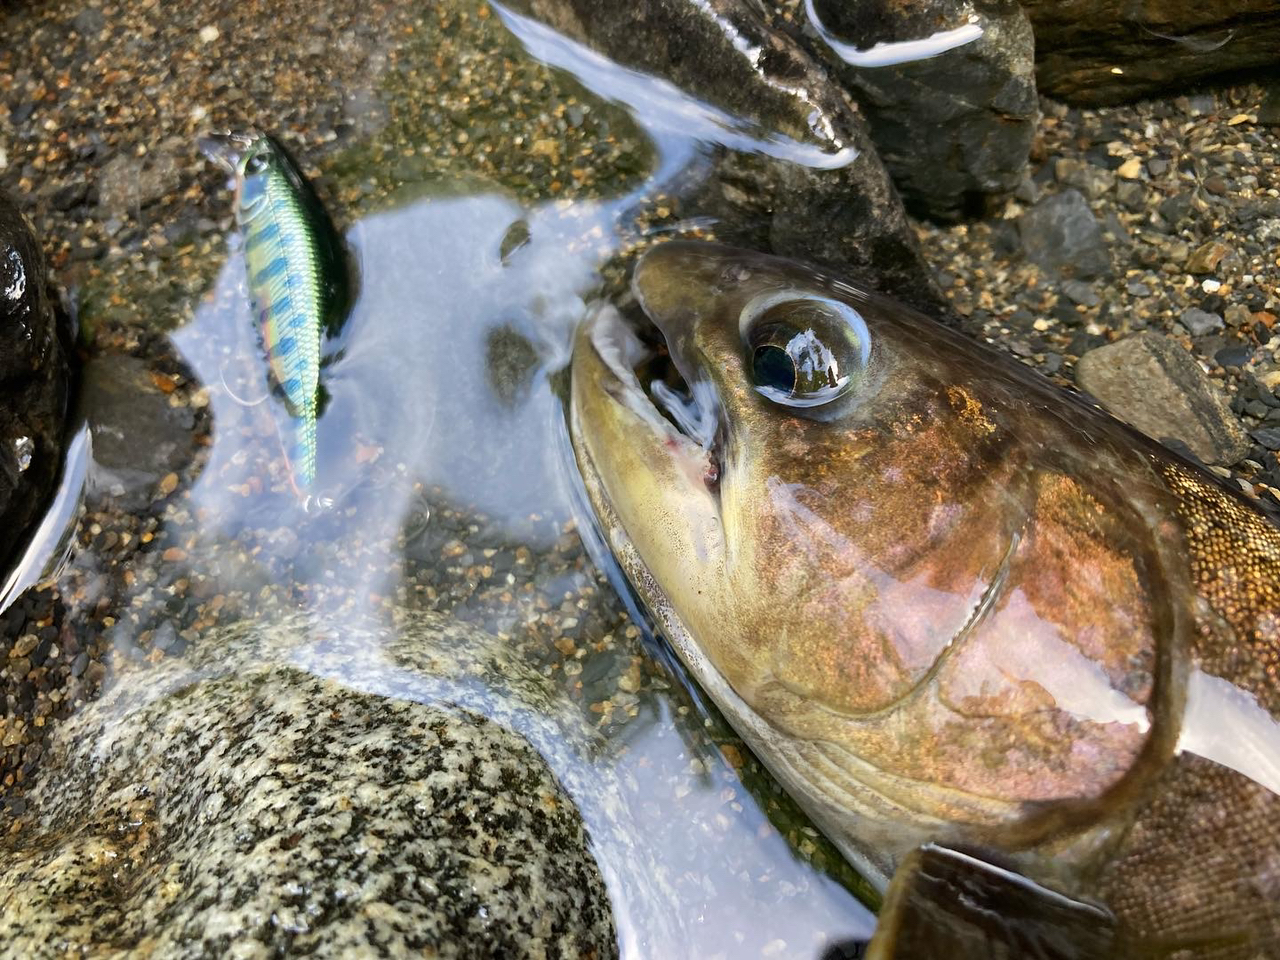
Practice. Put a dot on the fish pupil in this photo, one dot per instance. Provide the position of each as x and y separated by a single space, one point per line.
773 367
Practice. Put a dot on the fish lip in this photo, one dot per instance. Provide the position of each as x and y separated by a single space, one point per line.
226 149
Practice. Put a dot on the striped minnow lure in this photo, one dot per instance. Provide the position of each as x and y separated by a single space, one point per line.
298 277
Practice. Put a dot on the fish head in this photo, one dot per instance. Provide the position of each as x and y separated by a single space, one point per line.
848 521
242 155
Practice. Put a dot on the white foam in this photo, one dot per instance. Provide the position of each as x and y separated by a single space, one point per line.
902 51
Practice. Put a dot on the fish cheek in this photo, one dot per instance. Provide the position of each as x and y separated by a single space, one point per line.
1052 690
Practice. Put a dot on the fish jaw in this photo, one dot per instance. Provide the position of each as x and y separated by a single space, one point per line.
227 150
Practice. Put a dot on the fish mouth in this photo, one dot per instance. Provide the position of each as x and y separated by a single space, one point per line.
663 390
226 149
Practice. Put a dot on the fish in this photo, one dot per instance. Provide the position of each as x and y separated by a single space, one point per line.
299 278
1019 662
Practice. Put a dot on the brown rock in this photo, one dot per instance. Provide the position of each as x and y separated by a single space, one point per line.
1206 257
1103 51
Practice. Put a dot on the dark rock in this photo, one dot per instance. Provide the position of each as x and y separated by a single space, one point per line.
35 381
1199 322
1236 356
70 196
1269 437
1152 383
1269 112
1175 210
954 129
1132 195
1082 293
1155 45
1061 234
848 217
138 437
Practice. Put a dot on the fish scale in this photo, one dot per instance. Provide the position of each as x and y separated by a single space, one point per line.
285 286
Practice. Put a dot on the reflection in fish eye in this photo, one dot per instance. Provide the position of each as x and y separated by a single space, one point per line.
804 353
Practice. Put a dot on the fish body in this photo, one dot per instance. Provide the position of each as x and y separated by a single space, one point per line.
1019 662
297 277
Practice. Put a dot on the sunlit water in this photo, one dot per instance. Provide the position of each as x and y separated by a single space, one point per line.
443 399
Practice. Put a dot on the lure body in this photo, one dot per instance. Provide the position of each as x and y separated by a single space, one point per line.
296 275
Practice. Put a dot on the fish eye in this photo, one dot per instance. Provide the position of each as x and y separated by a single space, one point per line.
804 351
255 163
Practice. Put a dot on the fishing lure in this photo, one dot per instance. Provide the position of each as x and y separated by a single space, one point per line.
299 278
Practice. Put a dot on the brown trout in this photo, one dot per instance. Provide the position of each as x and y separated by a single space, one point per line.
1017 660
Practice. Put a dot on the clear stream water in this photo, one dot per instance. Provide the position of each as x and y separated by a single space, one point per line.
444 419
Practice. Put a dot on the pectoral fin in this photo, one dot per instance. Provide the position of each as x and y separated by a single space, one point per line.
946 904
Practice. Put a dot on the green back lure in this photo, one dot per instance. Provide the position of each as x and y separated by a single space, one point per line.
298 277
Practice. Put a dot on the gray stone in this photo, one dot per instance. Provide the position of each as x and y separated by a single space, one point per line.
1200 322
1061 234
138 436
35 379
191 814
954 129
126 184
1082 293
845 216
1152 383
1101 51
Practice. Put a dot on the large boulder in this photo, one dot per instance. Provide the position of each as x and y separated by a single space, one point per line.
954 127
1102 51
241 804
808 182
34 382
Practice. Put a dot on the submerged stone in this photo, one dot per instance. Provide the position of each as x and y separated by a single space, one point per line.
1061 234
1149 381
269 809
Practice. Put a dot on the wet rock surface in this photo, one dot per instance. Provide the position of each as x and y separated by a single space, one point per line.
255 806
139 436
954 129
848 218
1151 382
1097 51
34 381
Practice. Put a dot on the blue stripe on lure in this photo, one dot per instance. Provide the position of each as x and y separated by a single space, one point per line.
299 278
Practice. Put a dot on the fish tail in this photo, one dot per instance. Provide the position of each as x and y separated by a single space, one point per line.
303 461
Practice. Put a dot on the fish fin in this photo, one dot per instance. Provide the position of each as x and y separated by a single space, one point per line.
322 400
944 903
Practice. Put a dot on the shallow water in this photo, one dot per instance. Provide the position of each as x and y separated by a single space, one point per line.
443 449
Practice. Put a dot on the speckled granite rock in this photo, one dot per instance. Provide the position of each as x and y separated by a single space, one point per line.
1100 51
246 806
1154 384
955 129
34 378
845 215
